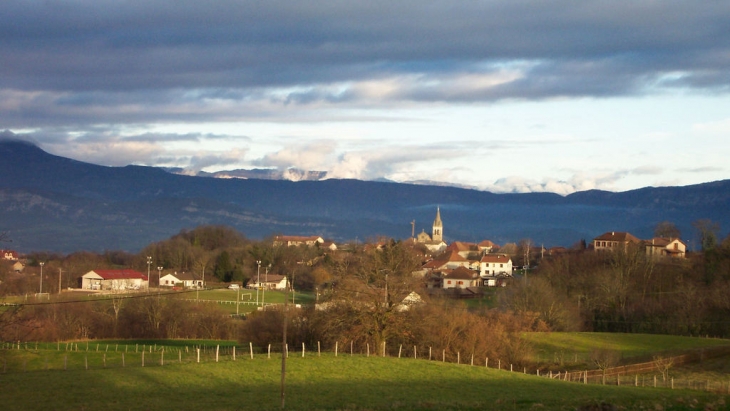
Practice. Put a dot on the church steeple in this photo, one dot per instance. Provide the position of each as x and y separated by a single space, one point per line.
438 227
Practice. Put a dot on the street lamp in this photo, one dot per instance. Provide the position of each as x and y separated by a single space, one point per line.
258 280
159 274
149 262
41 290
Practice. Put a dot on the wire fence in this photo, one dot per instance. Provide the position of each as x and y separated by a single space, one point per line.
21 357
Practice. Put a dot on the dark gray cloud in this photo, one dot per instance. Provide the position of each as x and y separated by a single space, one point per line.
103 61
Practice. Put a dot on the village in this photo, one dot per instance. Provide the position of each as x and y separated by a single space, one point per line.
459 269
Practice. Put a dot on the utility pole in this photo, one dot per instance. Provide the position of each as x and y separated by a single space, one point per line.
149 262
41 289
258 280
283 351
159 274
59 280
413 229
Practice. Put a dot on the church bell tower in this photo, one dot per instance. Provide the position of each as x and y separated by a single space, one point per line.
438 227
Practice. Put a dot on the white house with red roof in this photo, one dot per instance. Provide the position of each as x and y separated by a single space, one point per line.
114 280
493 264
9 255
461 277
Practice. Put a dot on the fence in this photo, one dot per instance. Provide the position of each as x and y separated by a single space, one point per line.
89 355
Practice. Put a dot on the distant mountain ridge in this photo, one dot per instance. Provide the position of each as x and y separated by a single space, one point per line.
58 204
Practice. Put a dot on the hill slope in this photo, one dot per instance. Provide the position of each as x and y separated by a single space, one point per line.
54 203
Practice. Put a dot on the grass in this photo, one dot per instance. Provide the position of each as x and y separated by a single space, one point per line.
575 348
321 383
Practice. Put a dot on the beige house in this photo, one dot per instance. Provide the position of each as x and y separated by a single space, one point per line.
614 239
665 247
114 280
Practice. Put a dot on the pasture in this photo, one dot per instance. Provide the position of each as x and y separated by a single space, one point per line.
63 377
575 347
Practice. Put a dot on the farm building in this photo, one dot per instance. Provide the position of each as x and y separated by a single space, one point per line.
116 280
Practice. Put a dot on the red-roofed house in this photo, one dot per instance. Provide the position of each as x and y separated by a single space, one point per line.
668 247
613 239
493 264
117 280
9 255
487 246
449 260
461 277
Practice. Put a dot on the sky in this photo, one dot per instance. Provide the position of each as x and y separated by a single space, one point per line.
505 96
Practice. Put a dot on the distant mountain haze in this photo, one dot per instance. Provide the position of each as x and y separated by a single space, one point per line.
54 203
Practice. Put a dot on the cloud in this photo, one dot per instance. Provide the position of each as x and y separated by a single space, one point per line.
95 62
305 156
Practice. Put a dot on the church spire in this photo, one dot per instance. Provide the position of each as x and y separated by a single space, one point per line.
438 226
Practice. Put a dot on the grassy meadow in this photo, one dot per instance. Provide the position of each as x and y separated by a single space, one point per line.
321 383
576 347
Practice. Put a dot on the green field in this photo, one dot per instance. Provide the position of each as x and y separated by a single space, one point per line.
327 382
576 347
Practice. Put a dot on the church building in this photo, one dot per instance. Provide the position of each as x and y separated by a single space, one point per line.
435 243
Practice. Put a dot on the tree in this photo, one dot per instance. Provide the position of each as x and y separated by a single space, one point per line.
663 364
707 231
223 269
666 229
604 359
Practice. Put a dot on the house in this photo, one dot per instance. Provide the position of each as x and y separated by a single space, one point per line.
665 247
9 255
493 264
116 280
614 239
461 277
328 245
186 280
449 260
295 240
464 249
409 301
18 267
270 282
487 246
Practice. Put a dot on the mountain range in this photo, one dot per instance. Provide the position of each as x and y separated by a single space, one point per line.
54 203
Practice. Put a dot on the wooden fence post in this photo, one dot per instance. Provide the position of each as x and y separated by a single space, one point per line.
198 351
319 352
250 349
336 343
458 357
302 350
217 349
234 353
399 350
269 352
415 353
143 358
368 346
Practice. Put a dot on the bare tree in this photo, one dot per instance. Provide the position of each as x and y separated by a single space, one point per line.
667 229
663 364
604 359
